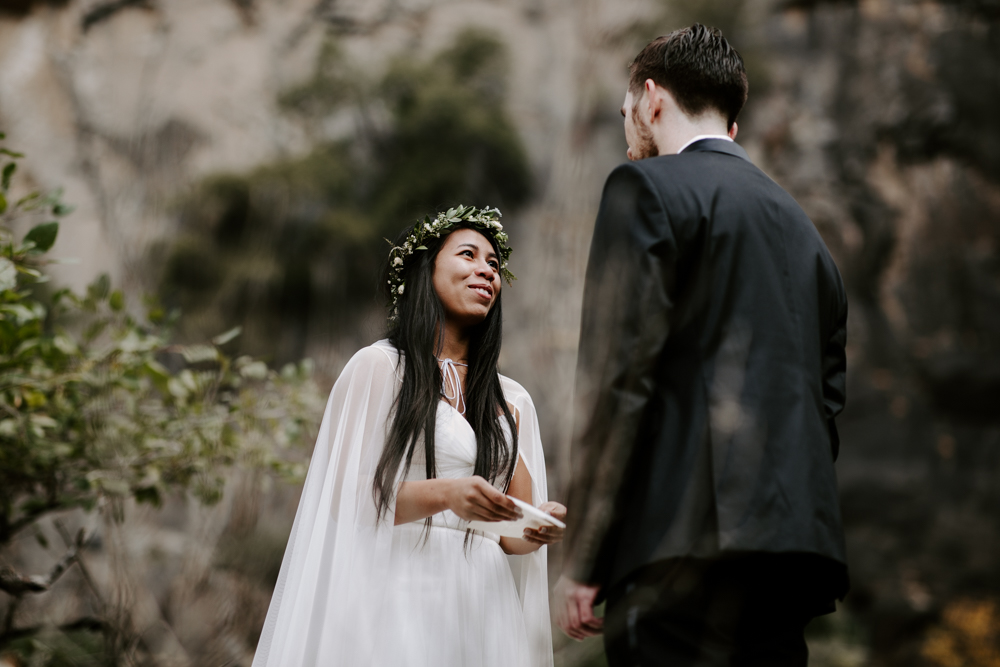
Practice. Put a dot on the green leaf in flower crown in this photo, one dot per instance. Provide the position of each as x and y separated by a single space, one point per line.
43 235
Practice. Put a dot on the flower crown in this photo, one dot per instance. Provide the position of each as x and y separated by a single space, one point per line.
485 220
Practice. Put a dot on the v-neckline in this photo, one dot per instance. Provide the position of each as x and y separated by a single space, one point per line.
464 420
460 416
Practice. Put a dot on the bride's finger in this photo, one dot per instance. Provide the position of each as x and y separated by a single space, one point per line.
544 535
502 509
487 511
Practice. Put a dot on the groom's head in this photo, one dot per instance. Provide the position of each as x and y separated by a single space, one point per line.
702 73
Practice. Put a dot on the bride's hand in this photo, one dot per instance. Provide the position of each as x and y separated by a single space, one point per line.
475 499
548 534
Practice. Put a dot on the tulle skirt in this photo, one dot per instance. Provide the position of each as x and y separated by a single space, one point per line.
450 604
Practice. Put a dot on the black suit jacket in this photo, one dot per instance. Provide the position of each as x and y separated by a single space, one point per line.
711 367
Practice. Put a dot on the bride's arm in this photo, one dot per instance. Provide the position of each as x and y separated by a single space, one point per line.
471 498
520 488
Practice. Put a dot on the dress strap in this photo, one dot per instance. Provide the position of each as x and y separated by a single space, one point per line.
449 373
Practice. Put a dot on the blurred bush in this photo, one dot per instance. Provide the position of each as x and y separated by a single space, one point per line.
291 250
968 635
97 409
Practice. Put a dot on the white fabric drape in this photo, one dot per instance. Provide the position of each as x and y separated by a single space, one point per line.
354 591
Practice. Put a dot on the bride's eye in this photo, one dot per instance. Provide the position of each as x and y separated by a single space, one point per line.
494 265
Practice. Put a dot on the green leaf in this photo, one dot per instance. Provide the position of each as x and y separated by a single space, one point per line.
8 428
43 235
255 370
176 388
8 274
149 495
65 345
43 421
94 330
3 203
8 171
156 369
21 313
34 273
224 338
117 301
99 288
115 487
40 538
13 154
195 354
28 198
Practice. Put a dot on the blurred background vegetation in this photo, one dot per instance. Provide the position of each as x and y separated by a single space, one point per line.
238 163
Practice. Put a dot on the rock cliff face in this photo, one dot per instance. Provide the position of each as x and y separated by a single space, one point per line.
875 114
874 120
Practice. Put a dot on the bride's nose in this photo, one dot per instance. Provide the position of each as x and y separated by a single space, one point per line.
486 271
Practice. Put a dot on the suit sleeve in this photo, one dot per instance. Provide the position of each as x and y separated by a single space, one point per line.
625 324
835 371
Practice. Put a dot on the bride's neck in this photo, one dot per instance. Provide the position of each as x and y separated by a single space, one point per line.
454 344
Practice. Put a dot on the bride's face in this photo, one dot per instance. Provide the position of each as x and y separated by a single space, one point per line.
467 277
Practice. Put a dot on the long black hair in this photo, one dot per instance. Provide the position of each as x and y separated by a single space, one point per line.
417 332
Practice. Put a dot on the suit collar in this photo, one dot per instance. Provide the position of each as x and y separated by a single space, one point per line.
718 146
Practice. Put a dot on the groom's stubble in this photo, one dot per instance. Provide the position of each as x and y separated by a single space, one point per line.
645 144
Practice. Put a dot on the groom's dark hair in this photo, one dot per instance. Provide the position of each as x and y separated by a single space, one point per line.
699 68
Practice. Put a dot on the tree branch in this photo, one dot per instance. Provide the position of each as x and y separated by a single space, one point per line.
32 516
87 623
80 542
106 10
17 584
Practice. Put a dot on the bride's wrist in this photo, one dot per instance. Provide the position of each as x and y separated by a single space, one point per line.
445 488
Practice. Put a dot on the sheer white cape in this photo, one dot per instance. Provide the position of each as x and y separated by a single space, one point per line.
332 596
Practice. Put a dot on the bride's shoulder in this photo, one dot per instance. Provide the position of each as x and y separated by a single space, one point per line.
514 392
381 357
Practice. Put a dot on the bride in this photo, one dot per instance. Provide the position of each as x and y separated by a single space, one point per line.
422 435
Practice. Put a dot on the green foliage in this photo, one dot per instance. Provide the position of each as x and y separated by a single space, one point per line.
97 406
452 141
296 245
56 648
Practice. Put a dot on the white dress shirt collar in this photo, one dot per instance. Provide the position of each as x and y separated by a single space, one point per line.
704 136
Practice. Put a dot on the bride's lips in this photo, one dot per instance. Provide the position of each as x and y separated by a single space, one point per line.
483 290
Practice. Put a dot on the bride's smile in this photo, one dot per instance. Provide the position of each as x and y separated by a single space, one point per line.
467 277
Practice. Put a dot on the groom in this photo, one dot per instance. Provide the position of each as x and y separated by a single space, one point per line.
711 367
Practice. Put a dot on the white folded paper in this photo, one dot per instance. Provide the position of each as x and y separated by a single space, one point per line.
533 518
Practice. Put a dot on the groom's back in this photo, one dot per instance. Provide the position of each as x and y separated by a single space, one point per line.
735 447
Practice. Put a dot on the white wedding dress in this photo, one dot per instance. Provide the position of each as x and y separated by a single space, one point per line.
354 591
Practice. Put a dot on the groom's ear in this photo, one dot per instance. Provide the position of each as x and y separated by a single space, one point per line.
733 130
653 100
